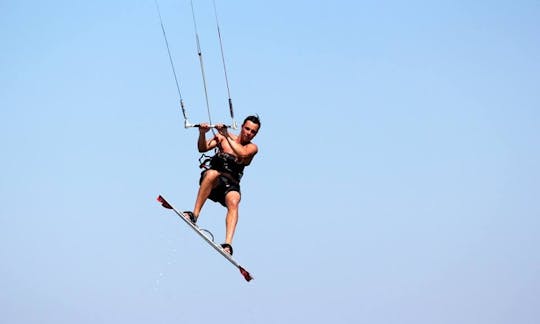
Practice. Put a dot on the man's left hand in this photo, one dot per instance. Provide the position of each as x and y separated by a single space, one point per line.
222 129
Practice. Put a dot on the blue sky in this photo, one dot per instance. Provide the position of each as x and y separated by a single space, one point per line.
397 179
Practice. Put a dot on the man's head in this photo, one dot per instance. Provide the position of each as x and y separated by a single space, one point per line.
250 128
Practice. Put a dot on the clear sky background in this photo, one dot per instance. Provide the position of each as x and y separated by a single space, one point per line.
397 181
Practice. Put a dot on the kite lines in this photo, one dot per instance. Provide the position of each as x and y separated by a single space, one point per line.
187 123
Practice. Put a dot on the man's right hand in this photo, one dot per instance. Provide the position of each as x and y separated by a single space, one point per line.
204 128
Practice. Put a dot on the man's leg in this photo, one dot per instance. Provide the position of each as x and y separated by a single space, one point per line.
232 201
209 182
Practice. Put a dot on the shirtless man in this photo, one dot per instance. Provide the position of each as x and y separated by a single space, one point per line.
221 182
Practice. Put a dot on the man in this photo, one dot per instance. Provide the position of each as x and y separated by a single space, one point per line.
221 182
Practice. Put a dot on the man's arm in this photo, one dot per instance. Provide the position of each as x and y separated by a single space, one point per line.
244 153
202 144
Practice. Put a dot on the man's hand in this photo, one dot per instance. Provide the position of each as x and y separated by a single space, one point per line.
204 128
222 129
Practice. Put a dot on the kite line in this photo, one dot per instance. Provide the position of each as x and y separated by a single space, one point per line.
187 124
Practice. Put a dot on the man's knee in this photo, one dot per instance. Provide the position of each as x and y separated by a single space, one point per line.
210 175
232 199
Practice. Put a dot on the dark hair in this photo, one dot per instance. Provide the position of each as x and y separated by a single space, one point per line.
254 119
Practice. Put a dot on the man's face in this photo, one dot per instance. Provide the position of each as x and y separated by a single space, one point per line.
249 130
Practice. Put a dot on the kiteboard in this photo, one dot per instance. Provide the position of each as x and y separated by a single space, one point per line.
202 234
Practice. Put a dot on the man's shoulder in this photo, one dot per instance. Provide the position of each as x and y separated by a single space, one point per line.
254 146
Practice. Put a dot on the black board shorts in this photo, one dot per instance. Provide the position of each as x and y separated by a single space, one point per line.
225 185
